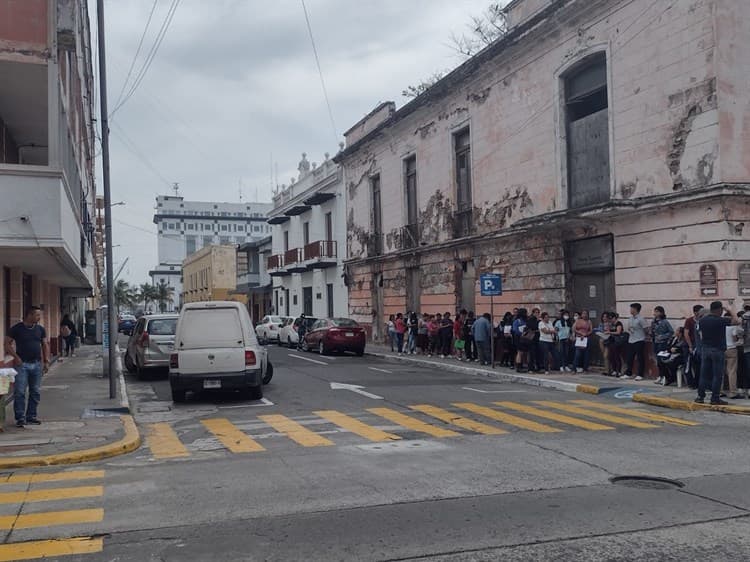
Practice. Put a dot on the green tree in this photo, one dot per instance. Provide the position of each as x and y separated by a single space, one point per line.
147 294
164 294
124 295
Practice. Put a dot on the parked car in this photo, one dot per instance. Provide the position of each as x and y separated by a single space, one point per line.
289 333
335 334
216 349
268 328
151 343
126 324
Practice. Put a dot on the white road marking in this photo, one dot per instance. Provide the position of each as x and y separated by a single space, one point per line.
354 388
491 391
263 402
380 370
307 359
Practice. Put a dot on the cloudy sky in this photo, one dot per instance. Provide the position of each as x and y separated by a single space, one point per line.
234 87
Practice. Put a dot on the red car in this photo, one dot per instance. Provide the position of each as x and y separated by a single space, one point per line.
335 334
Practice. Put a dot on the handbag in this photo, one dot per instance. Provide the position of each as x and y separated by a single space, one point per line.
582 342
65 331
460 344
528 336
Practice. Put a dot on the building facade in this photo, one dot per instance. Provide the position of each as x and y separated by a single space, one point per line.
47 151
187 226
210 274
597 154
253 279
308 240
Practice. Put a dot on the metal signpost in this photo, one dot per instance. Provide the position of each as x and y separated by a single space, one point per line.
491 285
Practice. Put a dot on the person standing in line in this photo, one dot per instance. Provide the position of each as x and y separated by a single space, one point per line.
458 330
521 344
547 332
693 368
713 329
32 358
400 327
505 331
603 333
8 364
390 329
482 332
619 343
469 348
433 333
446 336
636 343
661 331
582 329
532 325
413 326
563 327
422 340
730 357
68 334
745 348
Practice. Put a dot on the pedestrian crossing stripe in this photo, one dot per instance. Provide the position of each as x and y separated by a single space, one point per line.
35 477
165 443
51 494
49 548
459 421
583 424
49 518
596 415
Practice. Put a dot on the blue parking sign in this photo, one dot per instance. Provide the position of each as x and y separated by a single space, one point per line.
491 285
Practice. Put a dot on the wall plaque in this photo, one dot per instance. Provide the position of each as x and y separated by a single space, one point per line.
709 281
743 277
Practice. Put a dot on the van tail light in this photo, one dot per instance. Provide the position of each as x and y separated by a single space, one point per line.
174 362
249 358
144 339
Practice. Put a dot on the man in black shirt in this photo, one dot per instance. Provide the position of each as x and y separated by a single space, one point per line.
713 334
33 353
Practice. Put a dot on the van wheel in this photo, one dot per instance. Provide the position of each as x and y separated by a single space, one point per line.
254 392
178 395
289 342
322 348
129 363
269 373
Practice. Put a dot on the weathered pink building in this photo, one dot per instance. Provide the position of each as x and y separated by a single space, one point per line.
597 154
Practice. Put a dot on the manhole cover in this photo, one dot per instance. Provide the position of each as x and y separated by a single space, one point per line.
647 482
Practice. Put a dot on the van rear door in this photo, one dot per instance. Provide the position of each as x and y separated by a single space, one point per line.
210 340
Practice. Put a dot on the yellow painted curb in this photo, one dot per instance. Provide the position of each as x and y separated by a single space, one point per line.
130 442
588 389
688 406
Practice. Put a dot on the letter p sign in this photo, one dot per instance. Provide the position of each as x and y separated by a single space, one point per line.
490 285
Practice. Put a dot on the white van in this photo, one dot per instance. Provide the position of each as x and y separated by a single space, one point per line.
216 349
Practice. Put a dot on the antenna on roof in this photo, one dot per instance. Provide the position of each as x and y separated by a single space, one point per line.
176 189
240 190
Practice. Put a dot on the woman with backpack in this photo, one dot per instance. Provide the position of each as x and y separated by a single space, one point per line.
522 344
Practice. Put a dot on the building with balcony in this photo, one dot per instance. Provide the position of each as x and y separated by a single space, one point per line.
309 232
253 279
595 155
47 151
187 226
210 274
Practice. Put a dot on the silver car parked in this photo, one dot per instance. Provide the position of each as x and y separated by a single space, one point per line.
151 343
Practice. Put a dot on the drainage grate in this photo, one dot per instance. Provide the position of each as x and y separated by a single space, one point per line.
647 482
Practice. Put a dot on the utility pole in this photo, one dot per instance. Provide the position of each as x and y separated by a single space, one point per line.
111 313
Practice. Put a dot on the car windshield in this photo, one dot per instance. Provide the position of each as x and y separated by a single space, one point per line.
344 322
162 327
275 320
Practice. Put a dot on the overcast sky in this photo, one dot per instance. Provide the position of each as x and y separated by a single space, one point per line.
234 87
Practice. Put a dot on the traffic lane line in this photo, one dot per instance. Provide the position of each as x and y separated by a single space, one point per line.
380 370
51 518
50 548
510 419
412 423
231 436
164 443
596 415
554 416
636 413
307 359
52 494
459 421
357 427
295 431
35 477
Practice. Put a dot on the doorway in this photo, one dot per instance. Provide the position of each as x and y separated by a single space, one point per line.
307 301
27 294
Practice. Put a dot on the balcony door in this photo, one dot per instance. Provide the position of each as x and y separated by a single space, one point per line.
329 226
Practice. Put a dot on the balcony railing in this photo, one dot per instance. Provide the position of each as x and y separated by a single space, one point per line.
275 262
293 256
409 236
321 249
463 223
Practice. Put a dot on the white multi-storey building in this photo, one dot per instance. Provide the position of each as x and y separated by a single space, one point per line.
185 227
308 241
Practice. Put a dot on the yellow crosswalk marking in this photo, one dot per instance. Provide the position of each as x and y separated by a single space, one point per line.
295 431
459 421
164 443
510 419
635 412
356 426
49 518
34 477
51 548
554 416
412 423
231 436
51 494
596 415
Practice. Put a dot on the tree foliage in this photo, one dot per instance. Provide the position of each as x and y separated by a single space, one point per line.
423 86
164 294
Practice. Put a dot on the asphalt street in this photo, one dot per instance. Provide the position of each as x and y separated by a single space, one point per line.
351 458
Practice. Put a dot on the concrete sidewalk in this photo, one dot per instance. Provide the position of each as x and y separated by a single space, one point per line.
644 391
80 422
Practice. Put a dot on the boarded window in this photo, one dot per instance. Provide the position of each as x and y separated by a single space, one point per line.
411 234
377 216
463 222
587 116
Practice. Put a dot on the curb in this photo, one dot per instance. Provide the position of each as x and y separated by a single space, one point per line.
675 404
129 442
497 375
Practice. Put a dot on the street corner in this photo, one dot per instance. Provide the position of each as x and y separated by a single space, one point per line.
687 405
119 439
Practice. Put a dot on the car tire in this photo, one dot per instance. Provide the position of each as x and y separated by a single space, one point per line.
289 342
254 392
178 395
129 363
269 373
138 370
322 348
360 352
304 346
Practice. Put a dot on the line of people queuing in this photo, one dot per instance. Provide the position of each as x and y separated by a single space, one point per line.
536 342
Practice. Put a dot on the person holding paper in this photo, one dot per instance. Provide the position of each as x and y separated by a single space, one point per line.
582 330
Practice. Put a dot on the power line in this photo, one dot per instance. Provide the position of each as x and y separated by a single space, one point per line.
137 52
151 55
320 72
131 146
146 230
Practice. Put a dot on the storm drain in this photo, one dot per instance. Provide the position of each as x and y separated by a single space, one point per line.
647 482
